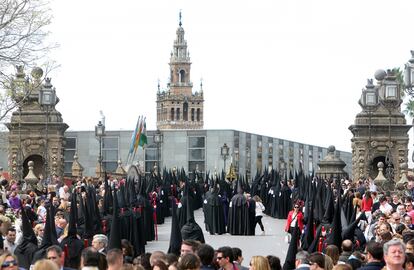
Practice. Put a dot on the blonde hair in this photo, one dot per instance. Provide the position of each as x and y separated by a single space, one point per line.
260 263
4 256
38 227
257 198
45 264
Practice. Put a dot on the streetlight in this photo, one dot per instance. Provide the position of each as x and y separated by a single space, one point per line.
99 133
224 151
47 99
158 137
390 98
369 103
409 81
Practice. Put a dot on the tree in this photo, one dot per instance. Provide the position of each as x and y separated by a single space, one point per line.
23 36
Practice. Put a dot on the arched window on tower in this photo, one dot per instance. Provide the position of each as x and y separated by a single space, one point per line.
192 114
185 111
182 76
172 114
198 114
162 112
177 117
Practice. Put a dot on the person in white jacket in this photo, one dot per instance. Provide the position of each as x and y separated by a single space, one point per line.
259 213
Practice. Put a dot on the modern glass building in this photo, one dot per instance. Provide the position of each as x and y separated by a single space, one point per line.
201 149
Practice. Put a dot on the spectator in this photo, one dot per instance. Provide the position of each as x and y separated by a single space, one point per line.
274 262
45 265
144 261
8 261
114 259
206 254
316 261
374 256
355 260
225 258
238 258
342 266
158 256
395 221
159 265
408 222
172 261
89 259
409 261
189 261
259 263
189 246
259 213
9 242
395 202
302 260
127 251
55 254
39 231
100 242
385 207
346 251
394 254
410 246
333 252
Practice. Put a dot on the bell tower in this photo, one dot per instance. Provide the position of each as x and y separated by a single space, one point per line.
177 106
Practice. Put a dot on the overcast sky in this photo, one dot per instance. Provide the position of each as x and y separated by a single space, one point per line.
287 69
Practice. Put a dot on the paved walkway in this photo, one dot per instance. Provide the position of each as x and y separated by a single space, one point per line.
272 243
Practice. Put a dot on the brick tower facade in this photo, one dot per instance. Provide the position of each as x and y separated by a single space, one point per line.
177 106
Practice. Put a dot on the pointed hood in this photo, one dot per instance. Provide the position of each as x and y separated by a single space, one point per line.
27 248
349 231
310 227
335 237
175 238
49 236
292 250
329 206
114 240
71 243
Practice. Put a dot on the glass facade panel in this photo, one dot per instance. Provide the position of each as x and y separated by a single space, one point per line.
110 154
196 142
151 154
110 142
197 154
70 143
68 154
192 166
110 166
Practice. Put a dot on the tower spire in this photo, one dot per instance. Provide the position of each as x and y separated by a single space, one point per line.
180 18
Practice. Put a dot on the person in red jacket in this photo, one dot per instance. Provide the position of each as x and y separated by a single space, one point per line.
366 205
295 217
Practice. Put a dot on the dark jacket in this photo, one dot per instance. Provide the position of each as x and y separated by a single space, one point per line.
372 266
345 256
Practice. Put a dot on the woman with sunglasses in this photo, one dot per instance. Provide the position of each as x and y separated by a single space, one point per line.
8 261
295 219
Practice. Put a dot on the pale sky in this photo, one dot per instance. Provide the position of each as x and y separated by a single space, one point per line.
287 69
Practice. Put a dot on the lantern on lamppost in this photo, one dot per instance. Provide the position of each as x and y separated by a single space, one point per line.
390 98
369 103
224 151
100 133
47 99
158 139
